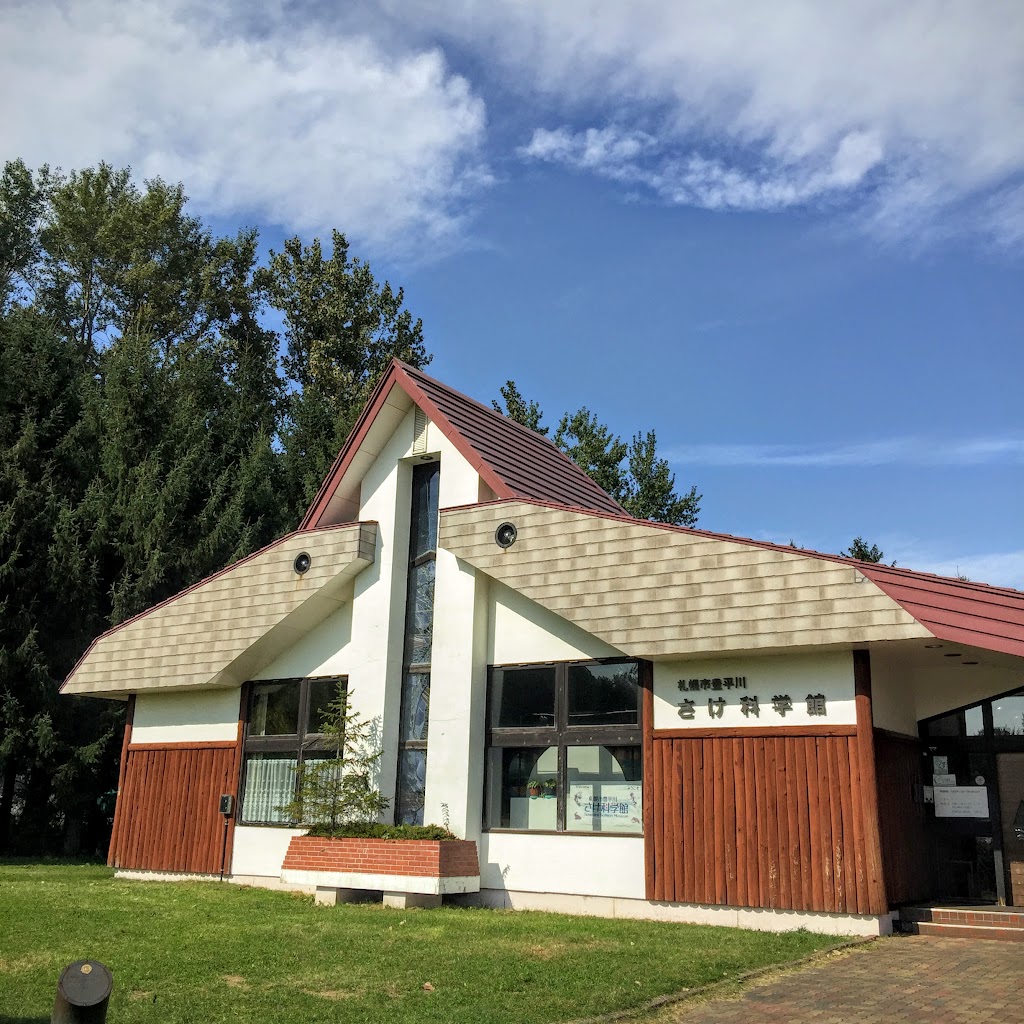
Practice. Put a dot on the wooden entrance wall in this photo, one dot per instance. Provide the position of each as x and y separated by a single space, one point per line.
168 805
905 843
761 821
780 818
170 818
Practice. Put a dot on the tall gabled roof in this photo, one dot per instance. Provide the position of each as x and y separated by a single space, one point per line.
514 461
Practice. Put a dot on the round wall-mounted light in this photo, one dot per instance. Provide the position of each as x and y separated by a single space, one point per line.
302 562
505 535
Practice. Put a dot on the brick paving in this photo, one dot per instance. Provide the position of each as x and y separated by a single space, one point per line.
899 980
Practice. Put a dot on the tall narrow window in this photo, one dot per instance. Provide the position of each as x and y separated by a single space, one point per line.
419 632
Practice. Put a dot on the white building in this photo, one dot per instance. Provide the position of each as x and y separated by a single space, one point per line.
718 729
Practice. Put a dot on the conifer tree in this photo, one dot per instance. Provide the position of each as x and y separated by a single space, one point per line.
633 474
341 328
48 584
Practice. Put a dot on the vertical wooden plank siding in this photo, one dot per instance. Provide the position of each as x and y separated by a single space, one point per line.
168 815
761 820
902 818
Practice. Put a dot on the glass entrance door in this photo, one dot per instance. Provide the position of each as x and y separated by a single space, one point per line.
1010 773
974 784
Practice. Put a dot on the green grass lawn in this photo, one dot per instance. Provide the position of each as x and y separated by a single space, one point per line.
203 952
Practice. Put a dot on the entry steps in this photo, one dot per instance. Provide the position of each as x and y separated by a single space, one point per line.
952 921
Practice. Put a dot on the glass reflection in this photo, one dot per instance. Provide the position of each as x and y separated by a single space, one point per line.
412 785
275 709
523 697
603 695
415 706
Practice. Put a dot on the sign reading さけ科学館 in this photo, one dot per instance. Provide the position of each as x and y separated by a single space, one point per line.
778 690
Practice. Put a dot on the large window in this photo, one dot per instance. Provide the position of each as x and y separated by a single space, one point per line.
282 733
564 749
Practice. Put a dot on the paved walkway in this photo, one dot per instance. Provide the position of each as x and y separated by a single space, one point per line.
900 980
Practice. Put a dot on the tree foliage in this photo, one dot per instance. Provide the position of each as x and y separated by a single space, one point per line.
338 790
633 474
861 550
154 427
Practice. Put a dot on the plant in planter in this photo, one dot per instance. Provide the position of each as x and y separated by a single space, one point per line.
347 848
550 787
337 791
536 787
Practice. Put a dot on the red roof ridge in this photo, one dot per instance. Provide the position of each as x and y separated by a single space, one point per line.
513 460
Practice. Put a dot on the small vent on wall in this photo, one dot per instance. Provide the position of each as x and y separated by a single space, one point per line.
419 440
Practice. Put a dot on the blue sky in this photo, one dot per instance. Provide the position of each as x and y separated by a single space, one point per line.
791 241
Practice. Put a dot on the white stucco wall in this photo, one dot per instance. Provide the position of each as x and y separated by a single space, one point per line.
521 631
323 651
378 602
827 672
585 865
892 695
944 687
260 851
912 683
195 716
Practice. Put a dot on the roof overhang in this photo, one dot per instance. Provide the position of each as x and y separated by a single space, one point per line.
226 628
659 592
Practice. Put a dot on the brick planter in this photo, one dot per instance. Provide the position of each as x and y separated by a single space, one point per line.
432 867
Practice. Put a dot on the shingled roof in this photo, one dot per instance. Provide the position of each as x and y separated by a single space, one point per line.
514 461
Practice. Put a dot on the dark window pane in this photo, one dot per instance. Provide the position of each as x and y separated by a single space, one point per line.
269 785
512 801
321 693
948 725
423 537
275 709
523 698
605 789
412 785
415 706
419 619
603 695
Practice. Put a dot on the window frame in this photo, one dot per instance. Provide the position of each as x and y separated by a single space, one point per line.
299 743
561 735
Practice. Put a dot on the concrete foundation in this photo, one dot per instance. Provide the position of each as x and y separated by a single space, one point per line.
411 900
329 896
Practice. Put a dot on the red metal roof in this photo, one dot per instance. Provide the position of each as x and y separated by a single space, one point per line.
514 461
959 611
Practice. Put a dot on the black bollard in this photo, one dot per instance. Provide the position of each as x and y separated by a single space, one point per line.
83 993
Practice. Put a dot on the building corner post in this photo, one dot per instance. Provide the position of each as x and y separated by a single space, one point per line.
877 901
119 808
647 725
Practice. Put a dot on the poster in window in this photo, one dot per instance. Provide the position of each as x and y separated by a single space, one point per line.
605 807
961 802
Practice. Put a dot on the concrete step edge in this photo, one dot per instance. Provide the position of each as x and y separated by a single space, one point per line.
968 931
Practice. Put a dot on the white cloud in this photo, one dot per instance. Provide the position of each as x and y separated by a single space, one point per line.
304 126
915 451
910 110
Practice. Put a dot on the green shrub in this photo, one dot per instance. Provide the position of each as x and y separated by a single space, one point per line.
376 830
